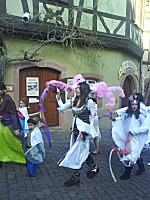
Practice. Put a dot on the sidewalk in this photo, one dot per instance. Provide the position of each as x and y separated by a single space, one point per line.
48 185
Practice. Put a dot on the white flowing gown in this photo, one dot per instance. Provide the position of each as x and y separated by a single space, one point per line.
145 110
79 150
139 132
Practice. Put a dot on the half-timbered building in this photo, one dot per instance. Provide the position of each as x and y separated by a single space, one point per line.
41 40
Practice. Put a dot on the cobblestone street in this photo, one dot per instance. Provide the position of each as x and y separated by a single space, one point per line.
15 185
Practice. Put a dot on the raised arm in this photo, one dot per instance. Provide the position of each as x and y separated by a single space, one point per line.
62 106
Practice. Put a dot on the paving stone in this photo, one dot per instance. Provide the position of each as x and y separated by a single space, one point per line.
48 185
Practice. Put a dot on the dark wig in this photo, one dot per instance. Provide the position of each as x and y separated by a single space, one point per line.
139 97
130 111
84 90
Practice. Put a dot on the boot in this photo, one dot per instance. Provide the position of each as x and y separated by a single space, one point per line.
74 180
140 166
92 172
127 173
0 164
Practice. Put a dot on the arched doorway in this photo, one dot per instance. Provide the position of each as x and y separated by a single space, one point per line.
41 76
128 87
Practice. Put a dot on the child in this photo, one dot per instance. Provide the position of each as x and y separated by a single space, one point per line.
34 137
23 115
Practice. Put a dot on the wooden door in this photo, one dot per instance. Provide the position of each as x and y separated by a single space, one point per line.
50 104
128 88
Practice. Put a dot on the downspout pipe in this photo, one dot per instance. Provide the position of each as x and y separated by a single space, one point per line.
140 76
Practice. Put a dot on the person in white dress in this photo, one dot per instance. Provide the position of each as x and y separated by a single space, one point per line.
96 135
143 109
83 110
129 132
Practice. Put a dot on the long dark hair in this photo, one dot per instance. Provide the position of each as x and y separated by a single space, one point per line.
84 92
130 111
139 97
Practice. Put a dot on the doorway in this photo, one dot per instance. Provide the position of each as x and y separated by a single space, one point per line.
41 76
128 88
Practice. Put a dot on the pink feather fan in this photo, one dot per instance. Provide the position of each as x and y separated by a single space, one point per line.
59 85
105 92
100 89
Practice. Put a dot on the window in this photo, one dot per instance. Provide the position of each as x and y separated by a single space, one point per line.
148 3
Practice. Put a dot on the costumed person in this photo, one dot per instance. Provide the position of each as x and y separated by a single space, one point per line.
143 109
140 99
96 134
23 115
129 132
82 126
34 137
148 138
10 145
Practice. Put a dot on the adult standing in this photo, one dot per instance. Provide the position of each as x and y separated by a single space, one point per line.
10 145
129 132
82 127
96 134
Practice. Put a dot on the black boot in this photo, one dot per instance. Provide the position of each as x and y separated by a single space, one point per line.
92 172
140 166
0 164
127 173
74 180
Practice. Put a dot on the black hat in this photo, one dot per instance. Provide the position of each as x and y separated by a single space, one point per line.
31 121
2 86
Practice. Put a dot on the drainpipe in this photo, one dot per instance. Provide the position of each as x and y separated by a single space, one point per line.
140 76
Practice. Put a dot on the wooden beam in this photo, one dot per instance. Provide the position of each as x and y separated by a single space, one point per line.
79 13
104 24
128 13
2 6
55 3
36 9
108 15
25 6
118 27
70 14
95 2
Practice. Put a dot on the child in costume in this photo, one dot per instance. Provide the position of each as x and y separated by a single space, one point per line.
34 137
23 115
